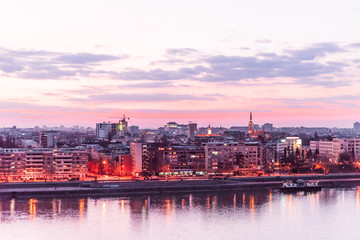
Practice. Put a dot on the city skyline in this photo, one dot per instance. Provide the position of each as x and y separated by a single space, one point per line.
291 64
203 124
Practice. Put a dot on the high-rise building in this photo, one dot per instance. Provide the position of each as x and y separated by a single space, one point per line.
136 151
48 139
106 130
133 130
357 126
192 130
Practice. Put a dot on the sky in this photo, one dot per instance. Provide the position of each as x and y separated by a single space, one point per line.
292 63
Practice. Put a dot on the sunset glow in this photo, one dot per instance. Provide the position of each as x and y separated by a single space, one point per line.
291 64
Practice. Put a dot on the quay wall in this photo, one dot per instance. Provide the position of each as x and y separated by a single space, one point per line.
121 188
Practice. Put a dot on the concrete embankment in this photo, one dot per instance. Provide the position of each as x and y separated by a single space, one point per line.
118 188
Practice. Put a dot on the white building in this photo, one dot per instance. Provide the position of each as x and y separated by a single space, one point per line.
338 145
324 147
348 145
293 143
278 150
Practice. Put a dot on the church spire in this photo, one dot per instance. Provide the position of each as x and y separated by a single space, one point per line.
251 126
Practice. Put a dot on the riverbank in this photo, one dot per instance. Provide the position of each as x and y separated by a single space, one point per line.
123 188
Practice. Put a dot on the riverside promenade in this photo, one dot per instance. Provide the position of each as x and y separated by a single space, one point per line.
124 188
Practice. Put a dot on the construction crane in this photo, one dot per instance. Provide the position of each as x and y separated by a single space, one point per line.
124 118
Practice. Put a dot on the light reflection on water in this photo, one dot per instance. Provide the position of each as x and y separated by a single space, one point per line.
260 214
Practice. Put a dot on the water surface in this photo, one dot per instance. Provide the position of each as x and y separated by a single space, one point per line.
265 214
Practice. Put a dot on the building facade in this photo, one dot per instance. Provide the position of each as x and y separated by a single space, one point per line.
192 131
44 162
185 160
106 130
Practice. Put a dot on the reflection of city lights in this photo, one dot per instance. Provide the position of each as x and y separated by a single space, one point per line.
312 201
145 205
190 200
167 206
32 207
104 208
81 207
234 200
358 197
173 204
214 202
208 202
122 205
243 199
53 203
59 204
317 198
252 204
288 203
148 201
12 207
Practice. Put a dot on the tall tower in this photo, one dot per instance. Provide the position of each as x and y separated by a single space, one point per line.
251 125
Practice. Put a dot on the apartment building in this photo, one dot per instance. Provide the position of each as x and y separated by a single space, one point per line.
185 159
333 148
43 162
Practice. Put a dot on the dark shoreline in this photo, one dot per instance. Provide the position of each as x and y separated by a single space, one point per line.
121 188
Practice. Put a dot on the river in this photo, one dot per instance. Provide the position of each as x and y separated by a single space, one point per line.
251 214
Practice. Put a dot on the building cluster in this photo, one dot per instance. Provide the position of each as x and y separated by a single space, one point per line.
333 149
185 149
174 149
42 163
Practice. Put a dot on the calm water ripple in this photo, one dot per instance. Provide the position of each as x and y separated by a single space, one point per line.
265 214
